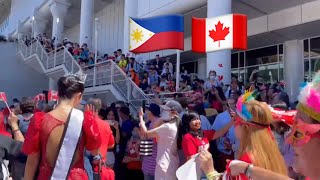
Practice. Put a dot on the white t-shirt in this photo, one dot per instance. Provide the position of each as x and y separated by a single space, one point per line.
167 152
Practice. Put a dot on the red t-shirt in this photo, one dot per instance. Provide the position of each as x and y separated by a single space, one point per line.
106 135
133 152
191 144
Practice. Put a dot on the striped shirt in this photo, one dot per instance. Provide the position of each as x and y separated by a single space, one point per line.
149 162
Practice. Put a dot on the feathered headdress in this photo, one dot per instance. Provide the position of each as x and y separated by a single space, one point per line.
242 110
309 98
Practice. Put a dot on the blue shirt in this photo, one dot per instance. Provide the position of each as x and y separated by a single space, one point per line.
221 121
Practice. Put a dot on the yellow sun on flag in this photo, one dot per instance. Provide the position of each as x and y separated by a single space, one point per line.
137 35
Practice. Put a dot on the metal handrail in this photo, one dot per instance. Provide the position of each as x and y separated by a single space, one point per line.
131 86
66 54
53 51
124 74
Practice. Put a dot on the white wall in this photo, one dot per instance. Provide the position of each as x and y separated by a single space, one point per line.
20 10
73 33
16 78
148 8
110 28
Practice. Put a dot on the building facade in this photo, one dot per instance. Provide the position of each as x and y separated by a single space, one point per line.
282 35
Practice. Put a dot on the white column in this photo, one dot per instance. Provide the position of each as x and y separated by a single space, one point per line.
202 68
217 8
130 10
293 67
52 84
58 9
86 22
39 26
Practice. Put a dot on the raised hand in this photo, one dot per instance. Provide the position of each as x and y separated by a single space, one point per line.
13 119
90 107
206 161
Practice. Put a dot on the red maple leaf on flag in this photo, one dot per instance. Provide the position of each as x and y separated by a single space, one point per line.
220 33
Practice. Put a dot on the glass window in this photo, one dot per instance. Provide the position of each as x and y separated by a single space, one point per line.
234 60
281 58
242 75
306 70
241 59
268 72
281 71
190 67
281 49
306 48
235 72
315 66
262 56
315 47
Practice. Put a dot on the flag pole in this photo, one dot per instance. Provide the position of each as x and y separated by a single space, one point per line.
7 106
178 70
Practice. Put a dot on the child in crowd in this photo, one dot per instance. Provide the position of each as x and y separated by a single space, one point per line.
132 158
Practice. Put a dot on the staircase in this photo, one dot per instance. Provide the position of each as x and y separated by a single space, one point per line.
102 78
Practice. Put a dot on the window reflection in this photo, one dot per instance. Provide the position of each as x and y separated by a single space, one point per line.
306 48
268 72
315 66
234 60
262 56
306 70
315 47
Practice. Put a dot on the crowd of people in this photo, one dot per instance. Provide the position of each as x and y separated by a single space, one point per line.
256 126
242 130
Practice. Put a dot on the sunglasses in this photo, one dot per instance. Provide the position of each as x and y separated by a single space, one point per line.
301 133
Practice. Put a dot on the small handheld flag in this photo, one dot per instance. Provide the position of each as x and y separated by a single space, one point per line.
53 95
3 98
40 97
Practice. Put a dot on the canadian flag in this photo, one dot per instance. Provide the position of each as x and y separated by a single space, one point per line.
218 33
53 95
3 96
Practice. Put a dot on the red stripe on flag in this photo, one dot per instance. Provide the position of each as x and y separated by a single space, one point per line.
161 41
240 31
199 35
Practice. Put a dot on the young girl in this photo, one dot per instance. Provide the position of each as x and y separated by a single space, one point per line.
195 138
132 158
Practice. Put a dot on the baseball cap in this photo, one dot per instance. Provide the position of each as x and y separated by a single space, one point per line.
172 105
154 109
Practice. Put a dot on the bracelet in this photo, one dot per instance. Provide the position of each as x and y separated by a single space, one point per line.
16 130
213 175
249 170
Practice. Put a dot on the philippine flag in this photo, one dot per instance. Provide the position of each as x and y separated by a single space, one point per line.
156 33
218 33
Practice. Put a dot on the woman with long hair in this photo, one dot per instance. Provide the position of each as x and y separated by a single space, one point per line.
48 133
257 144
304 137
194 138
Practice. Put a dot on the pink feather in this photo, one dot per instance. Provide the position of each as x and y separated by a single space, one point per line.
314 100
